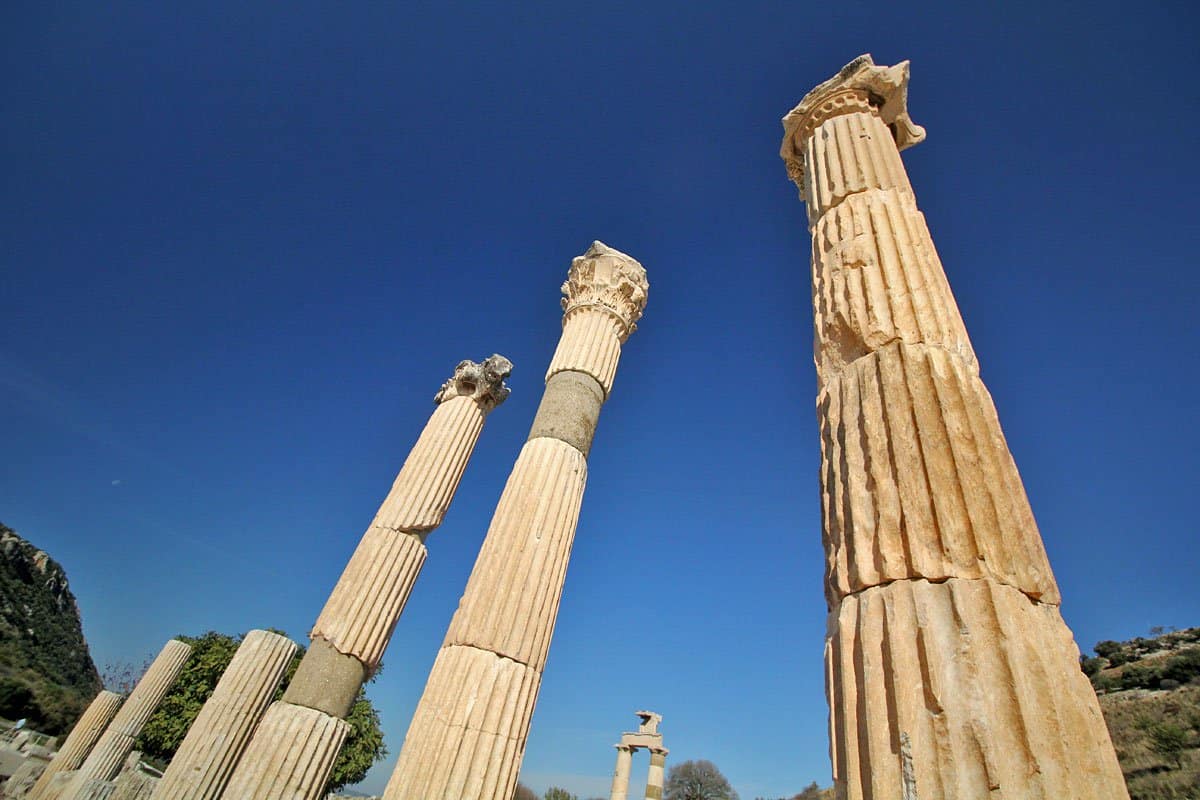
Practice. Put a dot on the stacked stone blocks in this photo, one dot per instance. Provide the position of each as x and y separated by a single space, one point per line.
950 672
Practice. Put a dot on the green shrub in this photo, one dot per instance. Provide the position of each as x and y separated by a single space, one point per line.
1141 676
1184 666
1169 741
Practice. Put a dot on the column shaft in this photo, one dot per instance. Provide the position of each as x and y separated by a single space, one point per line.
295 757
620 782
654 777
294 749
114 746
80 741
950 672
467 736
206 757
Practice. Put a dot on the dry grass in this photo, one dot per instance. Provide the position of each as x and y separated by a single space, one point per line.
1130 716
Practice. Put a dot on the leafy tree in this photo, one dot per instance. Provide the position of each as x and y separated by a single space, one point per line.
1169 741
697 780
211 654
1108 649
524 793
1091 666
555 793
364 745
164 731
122 676
811 792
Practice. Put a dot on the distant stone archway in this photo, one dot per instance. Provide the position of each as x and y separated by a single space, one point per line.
646 737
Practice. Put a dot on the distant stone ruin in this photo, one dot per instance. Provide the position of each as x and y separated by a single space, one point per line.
646 737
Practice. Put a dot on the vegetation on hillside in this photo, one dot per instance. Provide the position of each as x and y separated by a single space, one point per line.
46 673
1149 692
211 654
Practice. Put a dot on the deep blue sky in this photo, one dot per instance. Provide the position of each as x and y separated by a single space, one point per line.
243 244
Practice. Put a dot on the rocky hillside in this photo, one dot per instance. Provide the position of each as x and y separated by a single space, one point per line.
46 673
1149 692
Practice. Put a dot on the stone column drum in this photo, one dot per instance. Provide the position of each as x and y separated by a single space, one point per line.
80 741
295 746
206 757
467 737
654 777
949 670
620 783
116 743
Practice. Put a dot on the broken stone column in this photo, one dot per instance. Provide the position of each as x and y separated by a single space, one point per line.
206 757
620 784
467 737
115 745
133 782
80 741
294 748
949 670
654 777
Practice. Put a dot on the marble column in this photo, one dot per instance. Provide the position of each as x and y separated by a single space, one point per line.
654 777
116 743
949 670
620 782
80 741
293 750
467 737
206 757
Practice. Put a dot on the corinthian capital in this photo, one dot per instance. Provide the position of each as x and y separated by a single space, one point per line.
608 279
482 382
860 86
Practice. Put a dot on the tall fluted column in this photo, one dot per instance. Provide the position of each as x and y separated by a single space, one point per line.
294 748
115 744
206 757
467 737
80 741
949 670
654 777
620 783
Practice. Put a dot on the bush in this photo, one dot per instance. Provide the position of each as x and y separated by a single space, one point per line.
1183 667
1169 741
1141 676
1091 666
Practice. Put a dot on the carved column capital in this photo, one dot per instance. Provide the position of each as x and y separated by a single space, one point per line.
482 382
860 86
625 748
608 279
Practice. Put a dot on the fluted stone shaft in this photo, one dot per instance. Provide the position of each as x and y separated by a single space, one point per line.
267 769
950 672
80 741
205 759
115 745
295 746
467 736
620 782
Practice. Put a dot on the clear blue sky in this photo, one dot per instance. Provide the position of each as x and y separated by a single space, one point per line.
241 245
